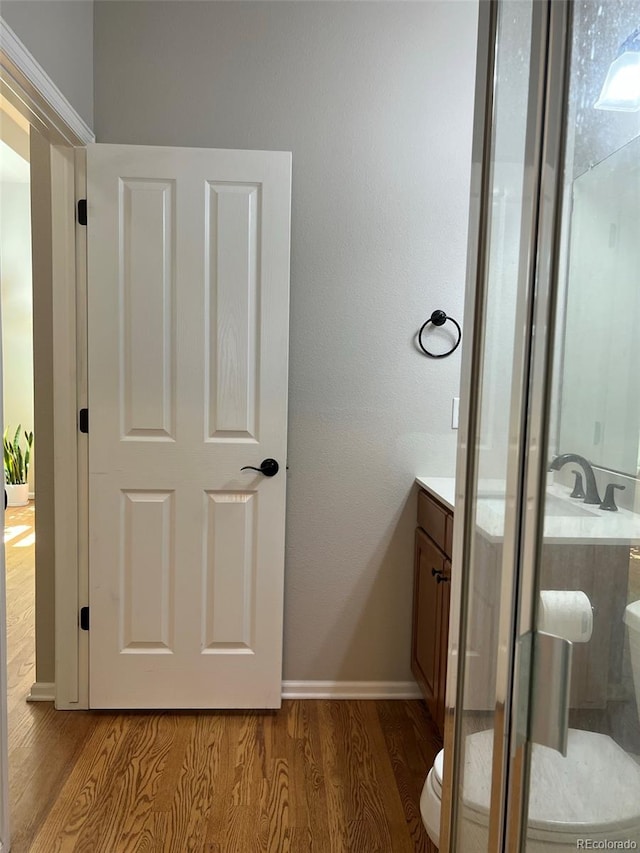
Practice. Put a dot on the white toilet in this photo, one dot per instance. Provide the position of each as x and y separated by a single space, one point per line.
593 793
632 621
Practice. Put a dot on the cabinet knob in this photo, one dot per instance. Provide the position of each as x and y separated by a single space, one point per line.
439 575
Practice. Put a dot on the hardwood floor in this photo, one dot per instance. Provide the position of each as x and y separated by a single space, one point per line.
314 777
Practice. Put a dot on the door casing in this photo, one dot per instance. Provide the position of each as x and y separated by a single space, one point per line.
24 83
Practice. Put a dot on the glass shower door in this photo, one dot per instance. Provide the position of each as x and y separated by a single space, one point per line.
586 567
542 735
481 727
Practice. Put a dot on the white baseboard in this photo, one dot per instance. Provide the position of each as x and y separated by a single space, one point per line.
350 690
46 692
42 691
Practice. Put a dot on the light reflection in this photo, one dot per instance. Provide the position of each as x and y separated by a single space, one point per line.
11 532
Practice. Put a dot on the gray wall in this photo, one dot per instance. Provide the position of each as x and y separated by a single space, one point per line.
59 35
375 102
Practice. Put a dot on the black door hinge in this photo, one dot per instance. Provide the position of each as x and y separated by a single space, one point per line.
83 420
84 618
82 211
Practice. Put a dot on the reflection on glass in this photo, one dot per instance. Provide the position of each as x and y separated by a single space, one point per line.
589 571
621 89
600 402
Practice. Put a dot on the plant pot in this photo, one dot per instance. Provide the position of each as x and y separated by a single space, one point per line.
17 494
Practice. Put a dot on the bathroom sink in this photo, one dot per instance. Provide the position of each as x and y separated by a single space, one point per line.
559 507
553 506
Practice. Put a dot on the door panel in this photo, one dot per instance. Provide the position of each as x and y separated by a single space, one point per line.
229 599
148 307
232 291
188 258
148 572
428 617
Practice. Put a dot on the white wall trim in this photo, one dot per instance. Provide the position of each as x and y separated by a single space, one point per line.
5 835
75 130
350 690
42 691
70 677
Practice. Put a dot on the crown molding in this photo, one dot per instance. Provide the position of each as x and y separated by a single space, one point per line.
31 84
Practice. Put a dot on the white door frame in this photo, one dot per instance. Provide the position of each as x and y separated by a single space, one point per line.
29 88
5 831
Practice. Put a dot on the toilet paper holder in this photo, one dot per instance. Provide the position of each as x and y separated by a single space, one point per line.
552 659
547 656
566 613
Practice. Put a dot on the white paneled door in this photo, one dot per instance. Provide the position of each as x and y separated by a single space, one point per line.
188 301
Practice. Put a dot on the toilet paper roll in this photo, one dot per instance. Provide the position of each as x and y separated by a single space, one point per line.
566 613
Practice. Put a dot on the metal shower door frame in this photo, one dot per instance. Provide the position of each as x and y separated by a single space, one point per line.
530 398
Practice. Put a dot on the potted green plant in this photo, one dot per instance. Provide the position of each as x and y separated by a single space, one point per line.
16 468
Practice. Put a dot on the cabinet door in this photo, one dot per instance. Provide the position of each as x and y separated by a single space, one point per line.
427 620
444 593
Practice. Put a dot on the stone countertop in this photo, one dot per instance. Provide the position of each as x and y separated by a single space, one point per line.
582 523
443 489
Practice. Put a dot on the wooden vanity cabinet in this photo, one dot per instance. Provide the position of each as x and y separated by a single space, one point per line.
431 597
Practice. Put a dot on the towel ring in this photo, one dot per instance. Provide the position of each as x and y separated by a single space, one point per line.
439 318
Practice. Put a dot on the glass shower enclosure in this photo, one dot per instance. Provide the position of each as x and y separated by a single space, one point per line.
542 731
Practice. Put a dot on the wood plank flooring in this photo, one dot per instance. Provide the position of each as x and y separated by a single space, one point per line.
314 777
